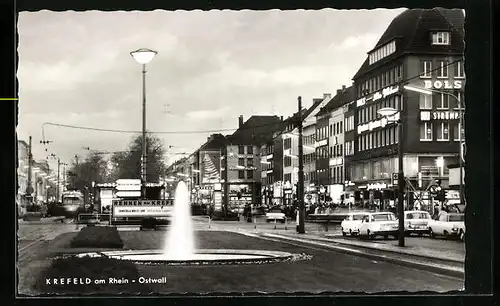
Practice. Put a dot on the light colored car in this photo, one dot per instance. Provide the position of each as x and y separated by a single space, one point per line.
350 225
379 224
275 214
417 222
448 225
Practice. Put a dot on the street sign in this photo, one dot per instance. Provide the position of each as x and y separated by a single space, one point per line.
395 179
128 194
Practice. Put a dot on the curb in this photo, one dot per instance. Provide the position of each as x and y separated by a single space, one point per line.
422 265
455 261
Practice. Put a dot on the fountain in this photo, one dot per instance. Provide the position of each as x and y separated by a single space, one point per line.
180 246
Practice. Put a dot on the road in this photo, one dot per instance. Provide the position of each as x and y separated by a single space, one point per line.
327 270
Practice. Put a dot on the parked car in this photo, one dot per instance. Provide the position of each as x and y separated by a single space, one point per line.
448 225
351 223
379 224
275 214
417 222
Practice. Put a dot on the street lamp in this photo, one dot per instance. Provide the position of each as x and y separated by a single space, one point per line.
460 124
143 56
389 113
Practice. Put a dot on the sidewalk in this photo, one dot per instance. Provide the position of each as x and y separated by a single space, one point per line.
42 220
410 248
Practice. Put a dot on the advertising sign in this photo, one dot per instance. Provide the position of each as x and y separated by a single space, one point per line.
141 208
217 200
128 194
210 167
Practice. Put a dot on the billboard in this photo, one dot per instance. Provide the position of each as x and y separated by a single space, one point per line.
210 164
142 208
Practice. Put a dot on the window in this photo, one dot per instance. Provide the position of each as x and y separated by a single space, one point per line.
287 161
331 130
457 104
425 69
443 69
249 162
249 174
287 143
241 162
250 150
370 141
425 131
341 127
241 149
456 136
396 134
443 101
391 136
459 70
383 134
241 174
441 38
442 131
425 101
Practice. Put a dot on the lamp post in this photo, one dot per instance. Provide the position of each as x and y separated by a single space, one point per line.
460 123
143 56
389 112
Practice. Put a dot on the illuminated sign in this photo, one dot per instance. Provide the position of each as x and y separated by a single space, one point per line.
376 186
445 115
378 95
269 156
425 116
321 143
446 84
242 168
336 161
377 123
141 208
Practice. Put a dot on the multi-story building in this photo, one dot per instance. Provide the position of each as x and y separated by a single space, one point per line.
208 171
422 48
241 157
331 167
22 170
291 151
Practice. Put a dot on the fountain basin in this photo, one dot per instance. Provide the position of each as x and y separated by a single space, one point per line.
200 257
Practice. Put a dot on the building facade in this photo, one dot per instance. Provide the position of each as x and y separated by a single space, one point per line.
422 49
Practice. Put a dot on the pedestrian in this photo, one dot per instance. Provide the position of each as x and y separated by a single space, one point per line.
297 220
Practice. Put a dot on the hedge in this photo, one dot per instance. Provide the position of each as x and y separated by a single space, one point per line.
97 237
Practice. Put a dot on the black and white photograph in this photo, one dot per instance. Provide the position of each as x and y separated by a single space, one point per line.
241 151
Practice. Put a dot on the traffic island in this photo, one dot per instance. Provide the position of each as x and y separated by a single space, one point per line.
97 237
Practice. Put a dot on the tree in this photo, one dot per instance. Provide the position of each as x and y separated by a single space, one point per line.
92 169
128 164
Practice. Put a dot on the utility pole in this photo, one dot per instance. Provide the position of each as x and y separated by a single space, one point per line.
76 159
58 170
226 183
300 185
29 187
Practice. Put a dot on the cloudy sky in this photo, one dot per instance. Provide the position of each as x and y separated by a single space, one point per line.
75 69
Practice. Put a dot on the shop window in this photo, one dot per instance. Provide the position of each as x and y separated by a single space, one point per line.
443 131
425 101
456 136
425 69
241 174
443 69
425 131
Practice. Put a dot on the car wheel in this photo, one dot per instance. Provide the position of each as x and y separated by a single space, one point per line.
351 233
370 236
343 233
462 235
431 233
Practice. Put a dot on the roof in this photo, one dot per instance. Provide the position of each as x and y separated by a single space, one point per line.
412 28
343 97
215 142
257 129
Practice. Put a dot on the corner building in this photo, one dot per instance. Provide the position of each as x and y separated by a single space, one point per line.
423 49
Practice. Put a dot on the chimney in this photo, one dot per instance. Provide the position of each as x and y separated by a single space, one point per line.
281 118
327 96
240 121
339 91
343 87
